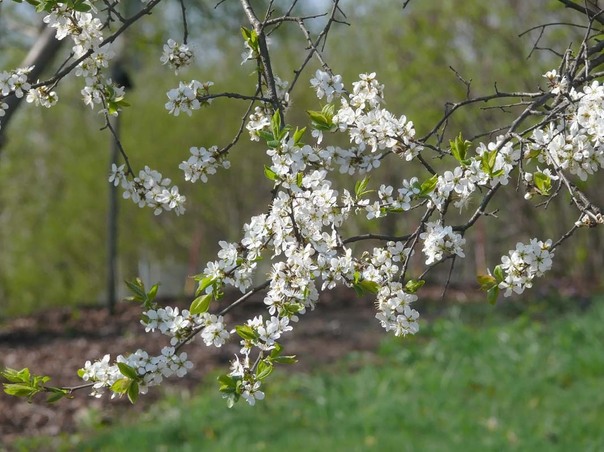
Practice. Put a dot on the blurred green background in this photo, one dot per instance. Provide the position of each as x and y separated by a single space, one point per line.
53 169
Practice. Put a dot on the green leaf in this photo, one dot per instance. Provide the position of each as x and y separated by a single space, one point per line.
137 287
246 33
15 376
266 136
269 173
263 370
19 389
79 5
133 392
428 186
298 136
152 292
459 148
320 120
543 183
360 188
251 37
533 153
56 394
365 286
229 385
204 283
128 371
276 124
486 282
285 359
413 286
276 351
487 163
246 332
226 380
493 294
201 304
121 386
498 273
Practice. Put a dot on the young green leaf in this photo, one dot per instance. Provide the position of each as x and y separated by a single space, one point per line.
360 188
133 392
137 287
226 382
269 173
320 121
413 285
459 149
128 371
276 124
246 332
204 283
56 394
428 186
289 359
492 294
486 282
543 183
365 286
121 386
298 134
263 370
201 304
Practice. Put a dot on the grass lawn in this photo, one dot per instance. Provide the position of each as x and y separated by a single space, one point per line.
476 378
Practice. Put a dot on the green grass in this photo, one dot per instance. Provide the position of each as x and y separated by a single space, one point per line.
470 381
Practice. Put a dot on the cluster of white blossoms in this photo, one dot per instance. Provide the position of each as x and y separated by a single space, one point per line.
394 310
15 81
202 163
491 166
250 387
265 334
149 189
260 119
86 32
556 84
179 325
151 370
525 263
84 29
368 124
575 144
42 96
327 86
391 201
176 55
188 97
440 242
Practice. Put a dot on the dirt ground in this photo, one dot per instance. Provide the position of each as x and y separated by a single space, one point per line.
58 342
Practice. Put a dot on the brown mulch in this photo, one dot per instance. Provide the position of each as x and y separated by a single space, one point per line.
58 342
